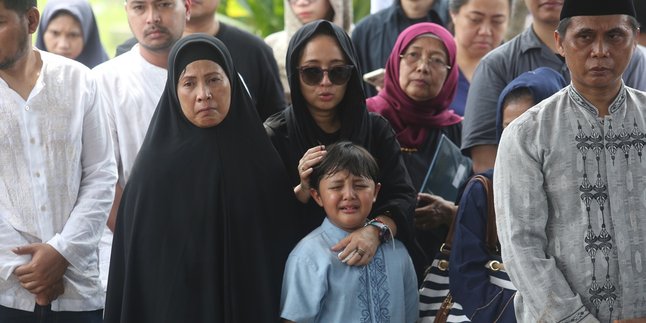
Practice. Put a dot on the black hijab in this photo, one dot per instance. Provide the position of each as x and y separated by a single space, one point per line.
200 233
352 109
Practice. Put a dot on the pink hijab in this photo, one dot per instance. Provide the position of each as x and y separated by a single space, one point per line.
411 119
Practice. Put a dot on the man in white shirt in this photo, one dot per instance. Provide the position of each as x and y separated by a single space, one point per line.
57 176
131 85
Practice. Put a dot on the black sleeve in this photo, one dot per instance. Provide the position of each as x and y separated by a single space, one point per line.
397 196
362 47
271 95
125 46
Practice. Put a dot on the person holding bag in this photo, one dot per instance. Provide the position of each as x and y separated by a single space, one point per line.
480 289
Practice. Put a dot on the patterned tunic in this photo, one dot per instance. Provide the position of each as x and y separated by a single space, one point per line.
318 287
570 194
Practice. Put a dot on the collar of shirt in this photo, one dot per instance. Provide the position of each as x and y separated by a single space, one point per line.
581 101
333 231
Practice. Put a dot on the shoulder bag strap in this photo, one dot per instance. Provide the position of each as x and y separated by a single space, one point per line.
446 246
492 235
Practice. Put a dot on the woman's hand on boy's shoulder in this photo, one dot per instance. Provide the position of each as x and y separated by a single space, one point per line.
358 248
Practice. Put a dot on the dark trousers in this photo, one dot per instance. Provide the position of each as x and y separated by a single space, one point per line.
44 314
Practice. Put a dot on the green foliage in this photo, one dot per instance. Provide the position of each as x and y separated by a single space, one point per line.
361 8
260 16
266 16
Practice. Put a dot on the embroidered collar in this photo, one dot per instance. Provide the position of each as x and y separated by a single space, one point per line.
586 105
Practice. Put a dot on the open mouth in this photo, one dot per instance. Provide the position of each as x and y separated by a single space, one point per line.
349 209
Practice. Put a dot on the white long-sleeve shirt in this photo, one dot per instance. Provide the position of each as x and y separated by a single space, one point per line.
130 88
57 177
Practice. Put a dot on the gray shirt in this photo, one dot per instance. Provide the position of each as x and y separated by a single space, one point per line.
570 199
523 53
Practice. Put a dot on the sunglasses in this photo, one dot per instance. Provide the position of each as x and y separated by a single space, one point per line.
338 75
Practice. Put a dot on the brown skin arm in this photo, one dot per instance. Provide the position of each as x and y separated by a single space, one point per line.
42 275
311 158
112 218
434 211
483 157
51 293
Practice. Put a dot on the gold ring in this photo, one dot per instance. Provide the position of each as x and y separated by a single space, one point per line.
360 252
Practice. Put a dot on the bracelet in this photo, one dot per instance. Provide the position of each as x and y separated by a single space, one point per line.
384 231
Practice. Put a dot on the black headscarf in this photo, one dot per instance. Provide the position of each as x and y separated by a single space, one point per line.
352 109
202 230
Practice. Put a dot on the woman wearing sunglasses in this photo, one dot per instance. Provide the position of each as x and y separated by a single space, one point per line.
419 85
299 12
328 105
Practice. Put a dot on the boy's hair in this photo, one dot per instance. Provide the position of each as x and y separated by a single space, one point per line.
345 156
19 6
517 95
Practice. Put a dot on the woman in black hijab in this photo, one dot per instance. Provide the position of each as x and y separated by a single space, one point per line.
328 105
200 233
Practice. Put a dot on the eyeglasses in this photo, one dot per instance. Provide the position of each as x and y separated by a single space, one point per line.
338 75
307 2
414 58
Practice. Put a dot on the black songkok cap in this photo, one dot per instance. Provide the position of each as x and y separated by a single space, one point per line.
573 8
640 10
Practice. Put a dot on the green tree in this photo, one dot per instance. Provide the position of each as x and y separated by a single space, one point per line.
264 17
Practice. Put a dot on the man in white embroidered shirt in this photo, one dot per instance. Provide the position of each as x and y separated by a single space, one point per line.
57 175
130 86
570 180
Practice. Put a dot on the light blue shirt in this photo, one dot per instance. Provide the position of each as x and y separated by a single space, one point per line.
318 287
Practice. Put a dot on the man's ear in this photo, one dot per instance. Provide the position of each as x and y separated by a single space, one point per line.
316 196
559 43
187 4
33 18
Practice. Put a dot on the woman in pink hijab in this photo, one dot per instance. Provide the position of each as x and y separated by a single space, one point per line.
419 85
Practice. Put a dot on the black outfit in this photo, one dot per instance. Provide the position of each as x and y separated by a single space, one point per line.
202 230
417 164
255 61
375 35
293 131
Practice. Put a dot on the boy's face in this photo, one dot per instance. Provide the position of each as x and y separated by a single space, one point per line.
346 198
515 108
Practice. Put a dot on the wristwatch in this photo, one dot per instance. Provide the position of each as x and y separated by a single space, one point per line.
384 230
